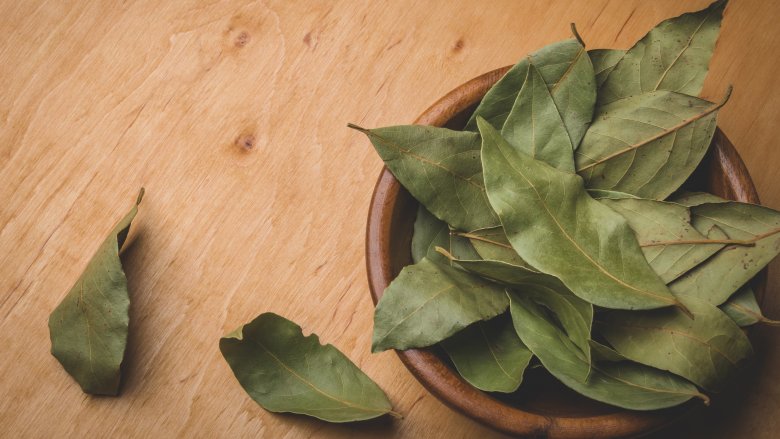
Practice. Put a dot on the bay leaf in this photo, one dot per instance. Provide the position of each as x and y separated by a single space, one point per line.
489 355
440 168
568 74
492 244
89 328
535 127
754 233
692 199
555 226
647 144
603 352
670 243
497 271
429 302
429 233
743 308
604 60
623 384
605 193
284 371
705 349
673 56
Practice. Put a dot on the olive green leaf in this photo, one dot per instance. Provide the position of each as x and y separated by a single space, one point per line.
429 302
705 349
647 144
284 371
605 353
670 243
555 226
673 56
429 232
440 168
692 199
492 244
89 327
568 73
534 126
754 236
623 384
489 355
604 193
604 60
497 271
743 308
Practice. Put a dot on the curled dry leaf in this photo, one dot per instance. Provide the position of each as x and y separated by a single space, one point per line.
743 308
89 327
284 371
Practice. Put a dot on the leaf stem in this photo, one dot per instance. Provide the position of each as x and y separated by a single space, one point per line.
749 242
483 239
140 196
577 34
358 128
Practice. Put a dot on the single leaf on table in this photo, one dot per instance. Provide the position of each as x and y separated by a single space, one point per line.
429 302
568 73
604 60
623 384
555 226
284 371
670 243
89 327
440 168
648 144
704 349
489 355
673 56
755 233
743 308
535 127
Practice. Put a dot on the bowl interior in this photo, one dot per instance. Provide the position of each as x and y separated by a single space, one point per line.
542 404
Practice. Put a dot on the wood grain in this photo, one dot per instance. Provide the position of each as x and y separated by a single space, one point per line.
233 114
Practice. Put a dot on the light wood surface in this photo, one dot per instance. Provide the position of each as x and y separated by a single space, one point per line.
232 114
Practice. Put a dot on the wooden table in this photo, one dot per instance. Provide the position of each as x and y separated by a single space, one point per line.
232 114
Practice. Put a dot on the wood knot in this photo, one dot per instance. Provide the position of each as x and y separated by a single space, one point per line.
242 39
246 142
458 46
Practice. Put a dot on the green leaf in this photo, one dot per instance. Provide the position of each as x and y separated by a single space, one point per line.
489 355
492 244
673 56
89 327
568 74
497 271
605 353
604 193
623 384
743 308
648 144
670 243
534 126
556 227
604 60
440 168
705 349
284 371
429 302
754 232
429 233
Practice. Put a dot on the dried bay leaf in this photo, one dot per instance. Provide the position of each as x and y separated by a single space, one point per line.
89 327
428 302
743 308
489 355
704 349
647 144
604 60
492 244
623 384
284 371
535 127
429 233
670 243
440 168
755 235
555 226
568 73
673 56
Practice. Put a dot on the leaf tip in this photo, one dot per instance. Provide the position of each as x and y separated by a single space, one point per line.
705 399
726 97
358 128
395 414
576 34
140 196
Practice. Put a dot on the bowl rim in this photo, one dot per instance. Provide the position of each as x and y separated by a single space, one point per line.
449 387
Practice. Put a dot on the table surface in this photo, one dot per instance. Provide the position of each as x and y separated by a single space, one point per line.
233 116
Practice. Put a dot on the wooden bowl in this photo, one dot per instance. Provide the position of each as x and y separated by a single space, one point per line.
542 406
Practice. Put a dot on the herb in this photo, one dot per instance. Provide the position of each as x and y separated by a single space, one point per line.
89 327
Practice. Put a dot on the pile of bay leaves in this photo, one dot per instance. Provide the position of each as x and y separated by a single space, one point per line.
553 226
